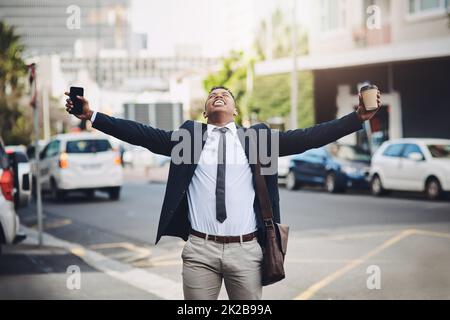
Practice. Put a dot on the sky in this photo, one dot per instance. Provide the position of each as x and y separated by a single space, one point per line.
207 27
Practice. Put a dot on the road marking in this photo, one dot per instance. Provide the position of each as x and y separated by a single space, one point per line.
58 223
150 282
142 252
348 236
312 261
312 290
152 264
78 251
433 234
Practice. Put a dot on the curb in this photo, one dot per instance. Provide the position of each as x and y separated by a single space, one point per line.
139 278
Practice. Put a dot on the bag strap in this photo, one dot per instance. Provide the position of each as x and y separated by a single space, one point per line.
263 196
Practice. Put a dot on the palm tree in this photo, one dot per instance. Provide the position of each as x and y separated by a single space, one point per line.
13 127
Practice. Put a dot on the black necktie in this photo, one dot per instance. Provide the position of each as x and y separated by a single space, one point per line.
221 211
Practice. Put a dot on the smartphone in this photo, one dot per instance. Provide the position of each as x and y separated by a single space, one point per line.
77 104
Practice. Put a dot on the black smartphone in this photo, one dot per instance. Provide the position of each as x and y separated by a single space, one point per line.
77 104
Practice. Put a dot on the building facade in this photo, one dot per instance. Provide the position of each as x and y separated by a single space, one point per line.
403 46
60 26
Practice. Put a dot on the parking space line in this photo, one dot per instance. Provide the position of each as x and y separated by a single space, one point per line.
140 252
433 234
58 223
312 290
349 236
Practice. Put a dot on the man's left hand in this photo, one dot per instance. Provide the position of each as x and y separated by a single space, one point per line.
361 111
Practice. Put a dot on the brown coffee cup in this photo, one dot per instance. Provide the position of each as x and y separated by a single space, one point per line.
370 97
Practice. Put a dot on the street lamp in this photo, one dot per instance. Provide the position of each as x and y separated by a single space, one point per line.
35 105
294 76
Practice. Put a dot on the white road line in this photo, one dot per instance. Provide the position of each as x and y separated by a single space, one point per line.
139 278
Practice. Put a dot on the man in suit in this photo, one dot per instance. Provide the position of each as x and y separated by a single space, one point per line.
210 197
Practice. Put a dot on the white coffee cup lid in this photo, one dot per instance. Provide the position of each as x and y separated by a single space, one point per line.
369 87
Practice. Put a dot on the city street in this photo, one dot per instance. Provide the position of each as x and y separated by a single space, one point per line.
334 240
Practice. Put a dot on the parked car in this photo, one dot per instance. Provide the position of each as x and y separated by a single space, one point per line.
9 221
283 168
80 162
412 165
337 167
22 174
140 157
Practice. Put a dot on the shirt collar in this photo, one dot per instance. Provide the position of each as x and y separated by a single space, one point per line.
231 126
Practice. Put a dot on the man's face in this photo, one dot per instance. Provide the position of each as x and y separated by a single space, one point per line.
220 100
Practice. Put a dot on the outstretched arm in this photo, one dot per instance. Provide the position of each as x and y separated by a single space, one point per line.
300 140
156 140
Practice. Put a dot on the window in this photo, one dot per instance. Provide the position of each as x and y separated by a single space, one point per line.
411 148
88 146
426 6
440 151
52 149
316 153
332 15
394 150
353 153
4 162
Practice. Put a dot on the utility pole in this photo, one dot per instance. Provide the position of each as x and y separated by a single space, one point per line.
294 76
35 104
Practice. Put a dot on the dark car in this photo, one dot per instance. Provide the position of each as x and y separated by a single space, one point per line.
336 167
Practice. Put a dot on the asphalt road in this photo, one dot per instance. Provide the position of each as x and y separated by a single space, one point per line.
334 240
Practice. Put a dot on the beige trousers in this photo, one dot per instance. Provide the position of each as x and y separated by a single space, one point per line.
206 263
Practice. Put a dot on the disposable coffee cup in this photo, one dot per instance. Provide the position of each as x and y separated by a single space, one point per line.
370 97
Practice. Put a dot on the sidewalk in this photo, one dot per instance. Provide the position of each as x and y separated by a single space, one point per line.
28 271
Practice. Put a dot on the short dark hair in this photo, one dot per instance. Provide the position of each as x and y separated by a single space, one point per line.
224 88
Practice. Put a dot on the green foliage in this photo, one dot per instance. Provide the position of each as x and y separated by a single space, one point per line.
277 34
14 128
233 75
272 98
271 95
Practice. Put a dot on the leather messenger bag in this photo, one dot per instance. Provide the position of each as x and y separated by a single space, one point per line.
275 244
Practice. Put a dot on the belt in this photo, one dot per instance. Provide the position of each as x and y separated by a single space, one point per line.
225 239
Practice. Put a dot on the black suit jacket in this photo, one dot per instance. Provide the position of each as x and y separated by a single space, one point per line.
174 214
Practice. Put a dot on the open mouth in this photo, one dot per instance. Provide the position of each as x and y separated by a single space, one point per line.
219 103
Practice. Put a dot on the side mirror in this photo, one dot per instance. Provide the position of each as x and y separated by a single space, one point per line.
415 156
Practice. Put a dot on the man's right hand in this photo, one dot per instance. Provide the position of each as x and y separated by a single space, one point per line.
87 112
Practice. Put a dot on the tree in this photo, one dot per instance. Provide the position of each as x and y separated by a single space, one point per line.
272 94
14 127
232 74
274 37
272 98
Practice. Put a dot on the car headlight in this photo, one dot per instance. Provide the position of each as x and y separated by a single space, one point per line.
349 170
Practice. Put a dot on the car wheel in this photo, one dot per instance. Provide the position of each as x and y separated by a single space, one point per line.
90 194
331 183
433 189
57 194
291 181
114 193
376 186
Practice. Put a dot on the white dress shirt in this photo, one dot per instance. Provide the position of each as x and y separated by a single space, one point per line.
239 191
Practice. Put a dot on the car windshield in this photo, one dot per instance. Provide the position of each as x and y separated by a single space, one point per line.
439 150
353 153
88 146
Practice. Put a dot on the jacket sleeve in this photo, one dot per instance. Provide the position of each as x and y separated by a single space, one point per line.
300 140
156 140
